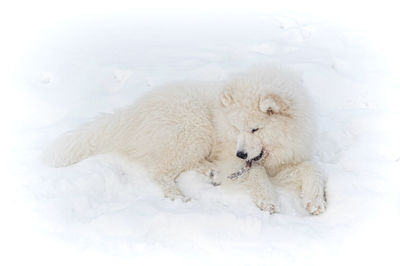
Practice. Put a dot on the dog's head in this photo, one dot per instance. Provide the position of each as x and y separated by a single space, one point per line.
252 119
262 113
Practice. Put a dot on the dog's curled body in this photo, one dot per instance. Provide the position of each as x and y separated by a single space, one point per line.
212 127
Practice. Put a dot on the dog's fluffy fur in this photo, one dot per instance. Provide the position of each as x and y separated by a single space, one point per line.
205 127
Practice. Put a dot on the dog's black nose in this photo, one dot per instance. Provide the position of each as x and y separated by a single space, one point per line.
241 155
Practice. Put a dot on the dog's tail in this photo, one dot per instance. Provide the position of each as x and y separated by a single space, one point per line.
99 136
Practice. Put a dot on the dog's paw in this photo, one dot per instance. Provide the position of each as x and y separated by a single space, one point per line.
176 194
267 205
315 205
215 184
182 198
314 198
315 208
212 174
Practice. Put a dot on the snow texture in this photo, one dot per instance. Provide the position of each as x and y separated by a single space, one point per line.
105 210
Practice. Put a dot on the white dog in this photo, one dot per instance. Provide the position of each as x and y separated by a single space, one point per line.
261 118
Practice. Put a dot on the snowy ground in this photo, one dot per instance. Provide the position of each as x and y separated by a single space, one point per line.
107 211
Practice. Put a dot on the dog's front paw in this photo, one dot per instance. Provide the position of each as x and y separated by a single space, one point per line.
315 208
313 195
315 204
267 205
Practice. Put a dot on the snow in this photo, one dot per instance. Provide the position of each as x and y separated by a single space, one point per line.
106 210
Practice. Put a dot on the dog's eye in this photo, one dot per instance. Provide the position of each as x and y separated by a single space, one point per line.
254 130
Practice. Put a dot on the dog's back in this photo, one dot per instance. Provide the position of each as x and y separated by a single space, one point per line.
142 131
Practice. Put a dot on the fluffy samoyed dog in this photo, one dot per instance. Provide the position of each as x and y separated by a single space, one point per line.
255 129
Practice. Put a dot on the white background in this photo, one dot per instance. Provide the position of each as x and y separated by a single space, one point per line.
64 62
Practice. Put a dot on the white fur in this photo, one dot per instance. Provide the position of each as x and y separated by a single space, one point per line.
186 126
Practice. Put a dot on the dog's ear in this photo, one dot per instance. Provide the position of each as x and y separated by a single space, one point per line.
273 104
226 97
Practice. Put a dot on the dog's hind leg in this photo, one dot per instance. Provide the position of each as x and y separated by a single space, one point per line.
169 187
